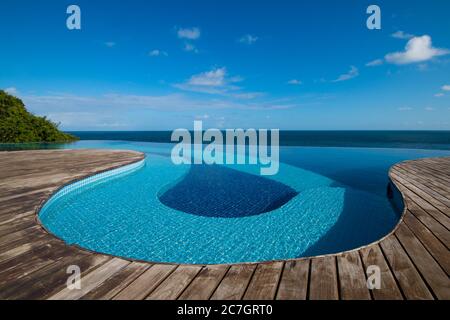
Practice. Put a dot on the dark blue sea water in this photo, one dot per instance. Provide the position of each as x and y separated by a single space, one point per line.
435 140
368 139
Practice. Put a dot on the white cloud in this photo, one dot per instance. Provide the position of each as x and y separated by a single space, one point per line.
402 35
295 82
446 87
189 33
110 44
422 67
417 49
248 39
11 90
404 109
438 95
352 73
215 78
119 110
157 53
247 95
429 109
377 62
202 117
215 81
190 47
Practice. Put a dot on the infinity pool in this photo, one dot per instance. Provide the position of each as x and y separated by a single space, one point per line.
323 200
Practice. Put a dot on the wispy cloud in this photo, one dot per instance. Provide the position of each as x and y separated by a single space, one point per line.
402 35
215 81
404 109
189 33
294 82
429 109
190 47
418 49
446 87
116 110
248 39
157 53
374 63
438 95
247 95
352 73
202 117
11 90
110 44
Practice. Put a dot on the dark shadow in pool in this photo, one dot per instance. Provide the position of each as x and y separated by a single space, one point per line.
365 218
218 191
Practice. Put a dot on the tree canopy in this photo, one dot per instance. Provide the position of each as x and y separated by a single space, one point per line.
17 125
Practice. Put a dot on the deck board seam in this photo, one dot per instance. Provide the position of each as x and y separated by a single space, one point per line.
432 232
249 282
189 283
391 269
160 282
427 213
425 247
417 269
279 280
218 283
424 191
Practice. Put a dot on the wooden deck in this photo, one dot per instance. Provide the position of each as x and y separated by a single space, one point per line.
414 259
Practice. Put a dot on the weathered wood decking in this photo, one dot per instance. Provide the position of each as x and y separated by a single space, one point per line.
414 259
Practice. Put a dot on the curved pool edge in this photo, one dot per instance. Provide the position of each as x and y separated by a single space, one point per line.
315 278
43 203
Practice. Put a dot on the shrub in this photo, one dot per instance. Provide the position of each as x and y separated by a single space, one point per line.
17 125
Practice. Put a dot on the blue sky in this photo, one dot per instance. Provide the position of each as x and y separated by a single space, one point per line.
157 65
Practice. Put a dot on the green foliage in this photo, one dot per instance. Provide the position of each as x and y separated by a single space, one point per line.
17 125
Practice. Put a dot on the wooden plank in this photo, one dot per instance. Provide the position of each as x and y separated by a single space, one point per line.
264 284
323 284
146 283
172 287
431 223
425 187
439 252
92 280
23 248
436 278
413 206
27 263
404 270
414 188
372 256
112 286
352 278
294 280
49 280
21 224
203 286
20 237
235 282
425 178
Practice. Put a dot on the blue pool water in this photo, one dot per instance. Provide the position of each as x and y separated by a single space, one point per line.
323 200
